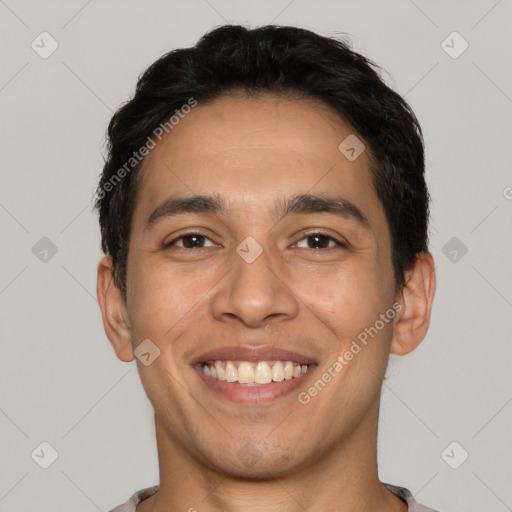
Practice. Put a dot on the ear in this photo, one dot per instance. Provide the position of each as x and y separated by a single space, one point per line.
416 297
113 311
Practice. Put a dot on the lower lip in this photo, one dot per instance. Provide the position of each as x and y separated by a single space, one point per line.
246 394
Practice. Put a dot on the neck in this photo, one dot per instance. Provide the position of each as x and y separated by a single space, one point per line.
345 480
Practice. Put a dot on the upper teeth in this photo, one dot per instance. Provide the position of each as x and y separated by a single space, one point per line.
262 372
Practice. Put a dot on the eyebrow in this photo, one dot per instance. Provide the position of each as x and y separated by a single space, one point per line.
176 205
302 204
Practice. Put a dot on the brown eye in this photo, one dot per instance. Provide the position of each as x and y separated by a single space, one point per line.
320 241
189 241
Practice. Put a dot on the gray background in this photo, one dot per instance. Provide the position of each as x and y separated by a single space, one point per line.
60 381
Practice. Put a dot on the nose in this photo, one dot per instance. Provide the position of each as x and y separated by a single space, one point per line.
254 293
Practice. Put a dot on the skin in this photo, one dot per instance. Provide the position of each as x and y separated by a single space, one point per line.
319 456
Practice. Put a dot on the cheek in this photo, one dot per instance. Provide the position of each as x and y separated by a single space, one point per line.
346 300
166 297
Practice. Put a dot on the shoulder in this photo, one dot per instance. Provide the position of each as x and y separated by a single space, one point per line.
135 499
405 494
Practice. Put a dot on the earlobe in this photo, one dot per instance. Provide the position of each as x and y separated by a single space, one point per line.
113 311
416 297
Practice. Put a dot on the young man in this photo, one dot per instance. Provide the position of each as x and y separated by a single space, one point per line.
264 216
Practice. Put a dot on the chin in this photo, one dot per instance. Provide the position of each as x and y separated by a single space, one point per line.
252 462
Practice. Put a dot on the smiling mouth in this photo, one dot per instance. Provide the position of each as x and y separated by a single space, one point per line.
258 373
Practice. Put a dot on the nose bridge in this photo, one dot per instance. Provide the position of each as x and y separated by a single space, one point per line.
253 290
252 265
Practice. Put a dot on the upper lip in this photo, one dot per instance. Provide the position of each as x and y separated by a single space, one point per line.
252 355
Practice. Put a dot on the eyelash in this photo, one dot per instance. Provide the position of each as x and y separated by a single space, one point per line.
168 245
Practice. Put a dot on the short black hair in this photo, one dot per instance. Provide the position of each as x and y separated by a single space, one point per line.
278 60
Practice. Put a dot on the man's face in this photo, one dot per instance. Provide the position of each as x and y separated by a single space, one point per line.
201 300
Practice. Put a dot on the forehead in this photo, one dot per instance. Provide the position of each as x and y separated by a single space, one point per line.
255 150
